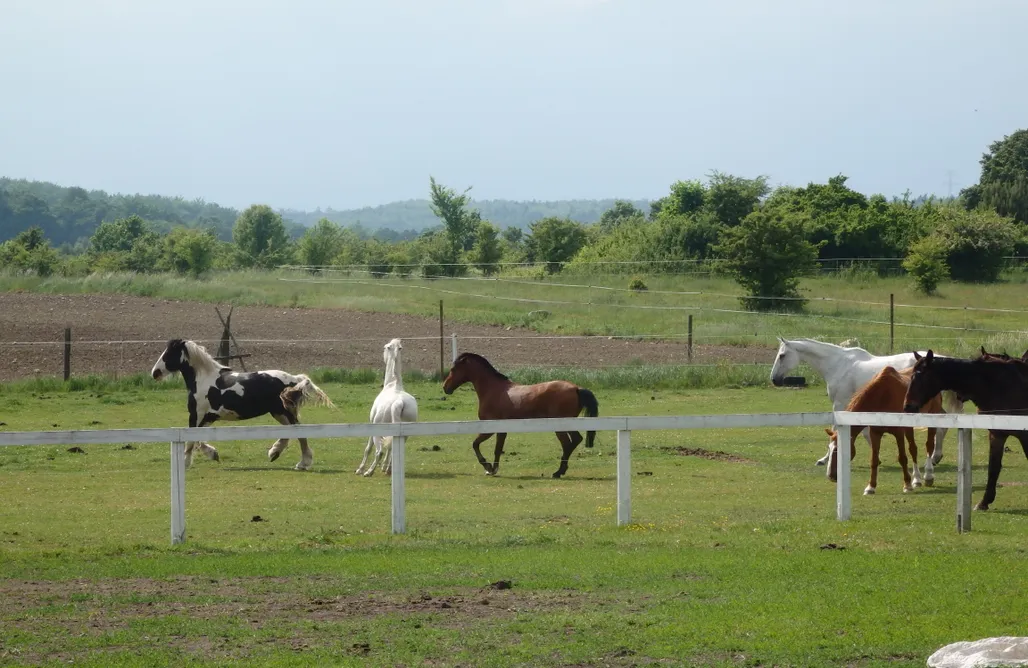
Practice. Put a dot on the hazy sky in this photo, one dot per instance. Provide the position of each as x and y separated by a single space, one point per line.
304 103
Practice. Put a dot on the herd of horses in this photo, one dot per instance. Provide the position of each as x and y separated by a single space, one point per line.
857 381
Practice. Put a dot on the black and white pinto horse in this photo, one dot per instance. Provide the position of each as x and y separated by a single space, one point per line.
216 392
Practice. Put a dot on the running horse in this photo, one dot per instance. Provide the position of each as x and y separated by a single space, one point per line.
997 386
216 392
886 393
500 398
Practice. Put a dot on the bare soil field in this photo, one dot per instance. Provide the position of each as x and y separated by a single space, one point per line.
115 334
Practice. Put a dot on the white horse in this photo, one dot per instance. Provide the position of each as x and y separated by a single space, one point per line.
392 404
845 371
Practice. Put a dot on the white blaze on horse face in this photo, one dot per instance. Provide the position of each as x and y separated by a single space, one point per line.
159 370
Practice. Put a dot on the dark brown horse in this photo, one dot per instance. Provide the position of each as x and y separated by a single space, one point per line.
500 398
996 386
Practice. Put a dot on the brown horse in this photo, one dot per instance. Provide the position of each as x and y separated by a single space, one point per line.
500 398
886 393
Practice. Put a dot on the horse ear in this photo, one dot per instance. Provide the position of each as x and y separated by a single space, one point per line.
929 355
916 355
781 340
829 431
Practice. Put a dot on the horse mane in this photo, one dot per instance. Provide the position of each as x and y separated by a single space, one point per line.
483 361
200 359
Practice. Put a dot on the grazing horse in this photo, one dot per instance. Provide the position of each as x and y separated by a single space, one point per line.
500 398
391 405
216 392
886 393
845 371
996 386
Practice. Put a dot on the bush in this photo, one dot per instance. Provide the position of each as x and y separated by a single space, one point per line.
637 284
927 263
768 253
976 243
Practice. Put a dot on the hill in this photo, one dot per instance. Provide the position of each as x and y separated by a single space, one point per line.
68 215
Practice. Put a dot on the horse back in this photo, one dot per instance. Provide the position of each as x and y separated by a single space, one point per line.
554 398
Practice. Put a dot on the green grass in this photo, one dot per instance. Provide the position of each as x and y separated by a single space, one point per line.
518 300
723 565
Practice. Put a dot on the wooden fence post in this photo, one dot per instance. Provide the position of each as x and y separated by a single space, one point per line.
67 353
442 364
689 348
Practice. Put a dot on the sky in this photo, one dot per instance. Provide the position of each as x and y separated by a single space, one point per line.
343 104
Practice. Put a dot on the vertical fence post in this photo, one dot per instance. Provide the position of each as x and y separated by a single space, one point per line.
892 322
624 509
453 348
67 353
688 350
178 492
963 480
398 480
842 461
442 365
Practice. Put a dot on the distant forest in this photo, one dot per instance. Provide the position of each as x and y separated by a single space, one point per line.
68 216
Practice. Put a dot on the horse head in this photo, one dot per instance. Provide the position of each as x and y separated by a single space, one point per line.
391 350
924 382
786 360
458 374
172 360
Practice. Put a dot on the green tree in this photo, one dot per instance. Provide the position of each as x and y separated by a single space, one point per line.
555 241
29 251
731 198
487 250
622 212
1003 184
189 251
260 238
118 235
768 254
926 262
320 244
452 209
976 242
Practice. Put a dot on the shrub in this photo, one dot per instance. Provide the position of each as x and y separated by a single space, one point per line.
927 263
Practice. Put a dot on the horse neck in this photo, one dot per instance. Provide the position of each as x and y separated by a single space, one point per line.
201 361
970 379
822 356
484 381
393 374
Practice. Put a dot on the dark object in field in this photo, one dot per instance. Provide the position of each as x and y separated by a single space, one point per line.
258 518
500 585
128 447
645 473
500 398
77 450
794 381
832 546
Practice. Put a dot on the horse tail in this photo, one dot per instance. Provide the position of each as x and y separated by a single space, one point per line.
305 392
587 400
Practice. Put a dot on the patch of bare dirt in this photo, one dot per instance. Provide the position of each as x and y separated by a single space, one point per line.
714 455
119 334
95 607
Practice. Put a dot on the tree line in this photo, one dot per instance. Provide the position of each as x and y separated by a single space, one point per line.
767 239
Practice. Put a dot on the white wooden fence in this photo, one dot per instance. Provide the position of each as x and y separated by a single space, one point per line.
624 426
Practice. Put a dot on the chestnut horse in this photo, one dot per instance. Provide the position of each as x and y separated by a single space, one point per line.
996 386
500 398
886 393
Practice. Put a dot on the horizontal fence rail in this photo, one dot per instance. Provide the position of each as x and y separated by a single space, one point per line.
624 426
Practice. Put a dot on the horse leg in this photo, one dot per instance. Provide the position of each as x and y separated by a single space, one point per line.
876 444
278 446
205 448
929 461
824 460
377 458
912 446
937 453
1023 438
996 442
500 438
367 451
568 444
905 434
387 454
481 438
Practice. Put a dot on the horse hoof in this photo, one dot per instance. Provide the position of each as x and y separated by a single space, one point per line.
272 455
819 462
981 506
908 489
215 457
936 460
303 467
929 482
917 484
869 491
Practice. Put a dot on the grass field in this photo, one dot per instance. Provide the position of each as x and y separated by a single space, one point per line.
846 305
728 562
